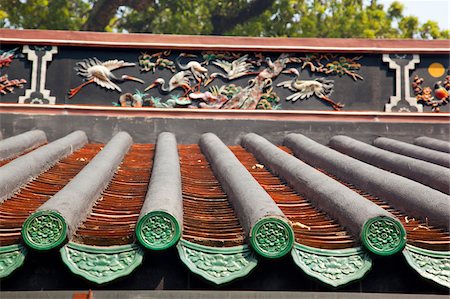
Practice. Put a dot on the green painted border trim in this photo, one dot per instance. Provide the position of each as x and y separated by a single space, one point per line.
101 264
383 252
433 265
174 237
55 243
11 258
257 246
333 267
218 265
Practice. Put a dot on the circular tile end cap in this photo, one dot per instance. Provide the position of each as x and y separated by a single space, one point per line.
272 237
158 230
44 230
383 236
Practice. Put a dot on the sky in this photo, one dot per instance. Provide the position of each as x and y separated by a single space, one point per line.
434 10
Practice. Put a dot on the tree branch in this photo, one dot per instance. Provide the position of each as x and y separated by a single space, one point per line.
224 23
104 10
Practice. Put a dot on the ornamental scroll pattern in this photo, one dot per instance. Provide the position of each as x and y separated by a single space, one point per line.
100 264
333 267
218 265
434 265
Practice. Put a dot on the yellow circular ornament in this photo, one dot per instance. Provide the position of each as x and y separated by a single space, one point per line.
436 69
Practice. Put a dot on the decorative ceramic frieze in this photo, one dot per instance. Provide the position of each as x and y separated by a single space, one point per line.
436 97
218 265
433 265
11 258
39 57
8 85
402 100
101 264
272 237
333 267
383 236
95 71
191 84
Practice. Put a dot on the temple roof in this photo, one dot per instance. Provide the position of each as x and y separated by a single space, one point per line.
334 208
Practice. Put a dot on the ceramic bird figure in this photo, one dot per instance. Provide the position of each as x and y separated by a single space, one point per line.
237 68
209 100
304 89
197 70
440 92
100 73
6 57
179 80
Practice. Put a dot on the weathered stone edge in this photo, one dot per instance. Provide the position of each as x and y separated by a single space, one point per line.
249 200
414 151
164 197
23 169
402 193
14 146
351 210
429 174
74 202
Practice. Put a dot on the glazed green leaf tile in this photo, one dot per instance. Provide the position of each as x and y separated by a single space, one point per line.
101 264
11 258
333 267
218 265
434 265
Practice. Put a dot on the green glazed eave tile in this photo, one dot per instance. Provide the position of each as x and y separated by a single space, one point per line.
218 265
333 267
101 264
433 265
11 258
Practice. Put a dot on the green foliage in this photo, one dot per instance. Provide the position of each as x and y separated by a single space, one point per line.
44 14
293 18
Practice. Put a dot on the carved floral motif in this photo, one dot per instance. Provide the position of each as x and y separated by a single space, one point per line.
272 237
383 236
101 264
434 265
151 62
334 267
44 230
332 64
439 96
11 258
158 231
7 85
218 265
